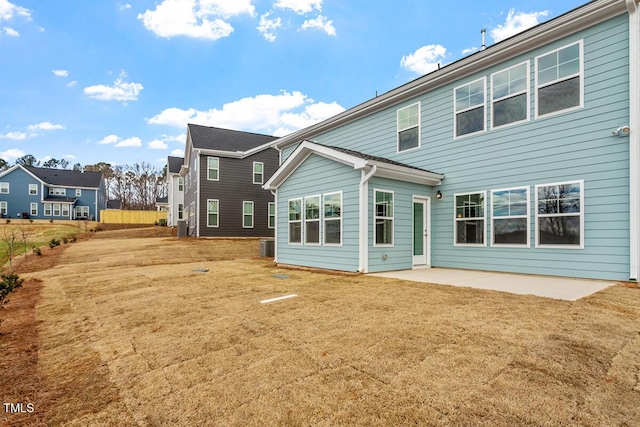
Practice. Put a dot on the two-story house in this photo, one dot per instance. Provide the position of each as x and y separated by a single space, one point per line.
223 172
43 193
175 194
523 157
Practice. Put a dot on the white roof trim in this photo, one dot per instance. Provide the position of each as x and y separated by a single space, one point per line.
383 170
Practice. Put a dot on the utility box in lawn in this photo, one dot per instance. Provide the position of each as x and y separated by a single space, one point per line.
182 228
266 248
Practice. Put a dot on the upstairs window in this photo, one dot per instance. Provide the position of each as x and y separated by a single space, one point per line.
510 95
559 215
181 184
213 168
469 105
4 188
78 192
57 191
271 223
33 189
470 219
409 127
559 80
258 172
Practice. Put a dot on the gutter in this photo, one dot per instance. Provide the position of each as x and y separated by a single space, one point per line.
363 234
634 138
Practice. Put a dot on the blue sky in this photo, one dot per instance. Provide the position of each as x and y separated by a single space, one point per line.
116 81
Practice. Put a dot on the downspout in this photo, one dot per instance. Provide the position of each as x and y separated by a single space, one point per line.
363 266
634 140
275 230
198 194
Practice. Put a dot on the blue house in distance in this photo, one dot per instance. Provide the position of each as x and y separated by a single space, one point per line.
43 193
522 158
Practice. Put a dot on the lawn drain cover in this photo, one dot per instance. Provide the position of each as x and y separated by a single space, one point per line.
280 276
200 270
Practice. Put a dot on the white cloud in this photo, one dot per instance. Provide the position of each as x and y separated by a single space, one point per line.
72 83
156 144
320 23
425 59
124 6
11 154
286 112
195 18
60 73
129 142
69 156
8 10
16 136
469 50
515 23
120 91
268 27
300 6
110 139
11 32
45 126
177 153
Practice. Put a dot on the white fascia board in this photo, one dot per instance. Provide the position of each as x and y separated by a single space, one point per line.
401 173
562 26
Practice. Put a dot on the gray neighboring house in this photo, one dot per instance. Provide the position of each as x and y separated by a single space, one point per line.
175 193
223 172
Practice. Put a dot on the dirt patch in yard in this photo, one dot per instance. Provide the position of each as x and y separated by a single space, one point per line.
131 332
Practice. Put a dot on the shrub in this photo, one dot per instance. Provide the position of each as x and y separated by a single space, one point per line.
8 284
162 222
8 221
74 238
37 250
31 221
53 243
65 240
51 221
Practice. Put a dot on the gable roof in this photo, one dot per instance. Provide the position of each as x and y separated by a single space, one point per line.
217 139
66 178
376 166
174 164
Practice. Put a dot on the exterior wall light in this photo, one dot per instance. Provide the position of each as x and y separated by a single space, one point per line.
622 131
439 195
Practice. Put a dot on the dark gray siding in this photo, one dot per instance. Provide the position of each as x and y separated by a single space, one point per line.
234 186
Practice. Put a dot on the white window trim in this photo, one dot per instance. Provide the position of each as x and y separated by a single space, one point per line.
65 211
78 192
455 113
32 210
244 203
217 212
527 91
527 216
253 177
180 184
33 186
318 220
4 208
580 75
269 215
398 130
56 208
4 185
209 168
48 207
289 221
180 211
392 218
323 239
456 220
570 247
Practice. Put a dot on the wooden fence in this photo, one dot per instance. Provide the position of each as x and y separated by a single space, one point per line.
131 217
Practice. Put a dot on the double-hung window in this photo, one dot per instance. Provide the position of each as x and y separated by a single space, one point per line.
560 215
78 192
47 209
247 214
65 210
33 189
470 218
271 220
332 204
56 209
510 95
213 168
3 208
559 80
383 218
57 191
181 184
258 172
180 210
295 221
213 218
4 188
33 211
409 127
510 213
470 111
312 220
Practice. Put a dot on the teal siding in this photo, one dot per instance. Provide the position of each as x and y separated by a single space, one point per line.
315 176
575 145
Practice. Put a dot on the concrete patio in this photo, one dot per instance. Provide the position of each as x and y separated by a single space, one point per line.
561 288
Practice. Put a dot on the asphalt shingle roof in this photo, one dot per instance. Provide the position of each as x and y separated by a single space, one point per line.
174 164
66 177
211 138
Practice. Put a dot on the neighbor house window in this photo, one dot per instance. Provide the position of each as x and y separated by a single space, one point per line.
559 80
312 220
258 172
383 218
78 192
47 209
82 211
213 168
332 204
181 184
65 211
4 187
3 208
272 215
33 189
56 209
510 95
469 105
247 214
57 191
510 213
33 211
409 127
295 221
212 213
559 214
470 220
180 210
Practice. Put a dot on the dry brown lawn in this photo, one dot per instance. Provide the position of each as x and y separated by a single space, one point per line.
129 334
